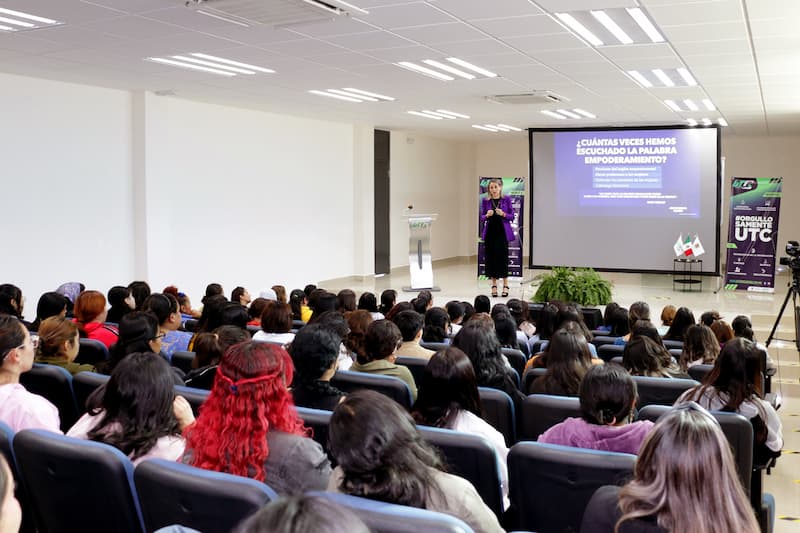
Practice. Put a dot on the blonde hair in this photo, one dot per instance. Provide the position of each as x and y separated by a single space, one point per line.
685 477
53 333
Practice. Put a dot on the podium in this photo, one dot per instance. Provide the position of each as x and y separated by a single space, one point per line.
419 252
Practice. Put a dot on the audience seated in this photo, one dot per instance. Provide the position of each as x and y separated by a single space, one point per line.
299 304
184 303
448 398
335 322
241 296
423 302
410 324
708 317
234 314
121 301
140 290
256 309
211 316
314 352
90 315
368 302
388 299
10 510
302 514
619 324
667 316
249 426
637 311
280 294
520 312
567 359
479 341
733 385
276 324
59 342
20 409
482 304
722 331
437 326
212 290
645 357
607 396
358 322
345 301
455 310
137 411
138 332
166 309
50 304
12 302
742 327
700 347
680 323
382 456
70 291
684 480
209 348
321 301
381 349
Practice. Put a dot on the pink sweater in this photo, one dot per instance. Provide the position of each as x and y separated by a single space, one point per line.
578 433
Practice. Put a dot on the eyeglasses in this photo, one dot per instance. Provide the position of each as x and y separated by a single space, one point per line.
9 350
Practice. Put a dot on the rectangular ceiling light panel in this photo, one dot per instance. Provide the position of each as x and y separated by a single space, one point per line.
614 26
12 20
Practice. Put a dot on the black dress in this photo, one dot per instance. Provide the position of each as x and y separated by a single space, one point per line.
496 246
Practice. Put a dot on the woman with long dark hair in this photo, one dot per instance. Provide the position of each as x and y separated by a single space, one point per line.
567 359
49 304
700 347
249 425
684 480
734 385
680 323
137 411
448 398
382 456
314 352
497 214
139 332
121 301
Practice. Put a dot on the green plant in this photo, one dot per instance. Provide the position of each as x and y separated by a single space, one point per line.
583 286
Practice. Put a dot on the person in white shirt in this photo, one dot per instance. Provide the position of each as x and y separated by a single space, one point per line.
276 324
448 398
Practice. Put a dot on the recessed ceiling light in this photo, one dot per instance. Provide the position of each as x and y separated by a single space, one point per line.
499 127
661 75
340 97
473 68
419 114
709 104
351 95
706 122
367 93
452 113
190 66
553 114
7 28
644 23
584 113
484 128
570 114
691 122
639 77
672 105
612 26
435 114
17 22
687 77
212 65
512 128
579 28
27 16
691 105
448 68
722 122
234 63
424 70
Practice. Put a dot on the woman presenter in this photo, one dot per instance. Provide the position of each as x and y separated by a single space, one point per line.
497 213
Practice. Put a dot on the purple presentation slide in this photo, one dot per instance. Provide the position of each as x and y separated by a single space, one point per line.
627 173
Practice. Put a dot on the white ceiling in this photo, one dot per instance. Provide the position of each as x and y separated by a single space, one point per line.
745 55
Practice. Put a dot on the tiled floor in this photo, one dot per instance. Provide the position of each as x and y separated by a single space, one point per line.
458 280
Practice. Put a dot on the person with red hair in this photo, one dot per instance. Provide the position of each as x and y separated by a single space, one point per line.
90 316
249 426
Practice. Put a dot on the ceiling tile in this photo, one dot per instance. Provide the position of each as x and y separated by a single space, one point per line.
710 32
714 12
340 26
67 11
473 48
440 33
517 26
583 5
403 15
482 9
535 43
305 48
374 40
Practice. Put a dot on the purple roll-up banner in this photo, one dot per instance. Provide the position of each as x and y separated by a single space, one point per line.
515 188
753 234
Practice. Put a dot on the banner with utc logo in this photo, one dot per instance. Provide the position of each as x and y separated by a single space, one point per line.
753 234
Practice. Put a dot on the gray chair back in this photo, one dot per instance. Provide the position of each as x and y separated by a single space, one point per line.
54 383
394 388
498 410
661 391
540 412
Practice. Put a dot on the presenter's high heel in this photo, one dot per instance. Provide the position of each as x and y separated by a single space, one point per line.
494 291
505 291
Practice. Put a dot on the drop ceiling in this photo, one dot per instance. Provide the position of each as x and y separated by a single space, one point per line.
744 54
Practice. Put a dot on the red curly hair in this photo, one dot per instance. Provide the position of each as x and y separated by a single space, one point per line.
249 397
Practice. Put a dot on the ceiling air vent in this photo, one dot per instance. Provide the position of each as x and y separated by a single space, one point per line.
531 98
276 13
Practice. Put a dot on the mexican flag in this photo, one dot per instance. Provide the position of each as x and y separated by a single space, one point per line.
687 246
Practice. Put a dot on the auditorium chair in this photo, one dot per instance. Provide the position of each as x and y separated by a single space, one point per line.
91 352
211 502
660 391
84 384
182 360
550 485
516 359
394 388
77 485
54 383
381 517
607 352
540 412
415 365
497 409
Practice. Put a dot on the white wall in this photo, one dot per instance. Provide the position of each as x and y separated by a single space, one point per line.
429 174
66 186
246 198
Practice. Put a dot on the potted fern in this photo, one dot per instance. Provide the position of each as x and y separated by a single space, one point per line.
583 286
